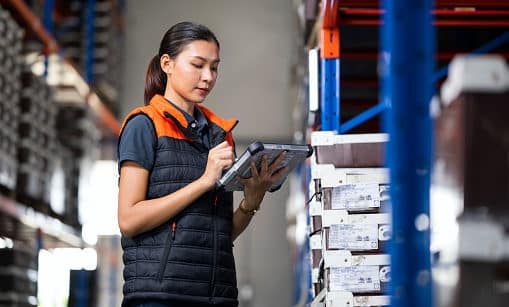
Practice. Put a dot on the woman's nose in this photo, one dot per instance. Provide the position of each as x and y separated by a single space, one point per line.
207 74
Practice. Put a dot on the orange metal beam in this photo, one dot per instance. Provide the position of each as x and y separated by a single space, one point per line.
330 14
440 12
440 23
438 3
472 3
34 24
474 18
329 34
373 55
104 115
329 43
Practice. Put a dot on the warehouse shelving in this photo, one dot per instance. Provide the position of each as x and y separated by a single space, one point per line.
51 47
443 18
357 68
441 3
33 225
351 187
32 220
485 22
53 122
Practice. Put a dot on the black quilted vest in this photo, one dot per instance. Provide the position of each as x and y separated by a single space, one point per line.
189 258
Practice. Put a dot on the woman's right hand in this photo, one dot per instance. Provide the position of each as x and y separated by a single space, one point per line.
220 157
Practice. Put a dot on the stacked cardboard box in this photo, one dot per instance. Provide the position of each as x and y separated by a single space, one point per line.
352 222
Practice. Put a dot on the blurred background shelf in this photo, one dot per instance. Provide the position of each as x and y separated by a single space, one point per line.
28 226
68 59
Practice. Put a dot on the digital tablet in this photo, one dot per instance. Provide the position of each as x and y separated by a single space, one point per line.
295 154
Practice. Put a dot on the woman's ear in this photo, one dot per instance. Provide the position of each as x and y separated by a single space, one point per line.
167 63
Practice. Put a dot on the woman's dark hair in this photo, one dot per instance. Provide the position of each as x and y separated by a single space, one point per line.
174 40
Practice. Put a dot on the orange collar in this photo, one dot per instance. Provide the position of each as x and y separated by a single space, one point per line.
164 108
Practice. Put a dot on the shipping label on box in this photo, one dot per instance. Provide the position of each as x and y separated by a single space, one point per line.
356 197
358 279
353 236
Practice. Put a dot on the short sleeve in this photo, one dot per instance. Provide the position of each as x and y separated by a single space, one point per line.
138 142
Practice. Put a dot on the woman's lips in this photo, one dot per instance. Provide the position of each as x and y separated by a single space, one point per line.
203 91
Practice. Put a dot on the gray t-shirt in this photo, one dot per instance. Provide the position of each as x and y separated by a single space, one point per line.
138 142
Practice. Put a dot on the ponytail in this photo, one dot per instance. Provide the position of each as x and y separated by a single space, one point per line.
174 40
155 81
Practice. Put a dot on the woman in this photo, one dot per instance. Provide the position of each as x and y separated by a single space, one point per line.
177 229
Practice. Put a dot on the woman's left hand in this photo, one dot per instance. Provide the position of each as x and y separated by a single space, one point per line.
260 181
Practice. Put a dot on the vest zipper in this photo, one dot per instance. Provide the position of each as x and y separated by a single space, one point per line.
167 248
214 255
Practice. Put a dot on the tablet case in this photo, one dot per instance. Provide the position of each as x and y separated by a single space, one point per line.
295 154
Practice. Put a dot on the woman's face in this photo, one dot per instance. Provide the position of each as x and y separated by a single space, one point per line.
193 73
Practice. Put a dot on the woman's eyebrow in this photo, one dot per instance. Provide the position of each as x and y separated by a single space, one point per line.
205 60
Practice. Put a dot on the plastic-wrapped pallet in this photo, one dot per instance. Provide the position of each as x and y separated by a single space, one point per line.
352 199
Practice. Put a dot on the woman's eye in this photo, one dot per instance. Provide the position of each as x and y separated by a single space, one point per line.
197 65
214 68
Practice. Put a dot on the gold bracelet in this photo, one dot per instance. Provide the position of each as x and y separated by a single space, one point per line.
245 211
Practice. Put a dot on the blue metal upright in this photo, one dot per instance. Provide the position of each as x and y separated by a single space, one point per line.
329 92
48 25
408 42
329 67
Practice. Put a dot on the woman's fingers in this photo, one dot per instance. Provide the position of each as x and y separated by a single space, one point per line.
242 181
222 151
221 145
279 174
276 164
264 165
225 154
254 171
265 176
220 157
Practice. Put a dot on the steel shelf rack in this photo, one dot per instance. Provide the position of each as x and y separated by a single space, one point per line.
340 16
407 100
28 222
51 47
